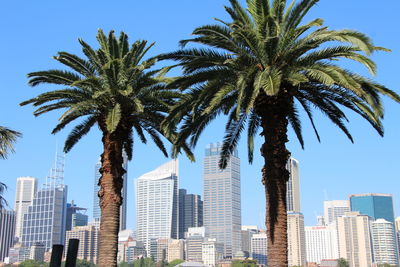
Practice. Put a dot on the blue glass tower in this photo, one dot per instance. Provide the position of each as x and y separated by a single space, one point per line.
377 206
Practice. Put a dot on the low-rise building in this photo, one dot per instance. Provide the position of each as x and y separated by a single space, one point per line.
212 252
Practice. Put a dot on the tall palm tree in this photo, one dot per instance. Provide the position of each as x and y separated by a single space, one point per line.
7 139
259 68
114 89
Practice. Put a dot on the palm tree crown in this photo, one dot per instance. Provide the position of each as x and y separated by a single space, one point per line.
7 139
264 52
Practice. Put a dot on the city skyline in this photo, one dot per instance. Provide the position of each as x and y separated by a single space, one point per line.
325 166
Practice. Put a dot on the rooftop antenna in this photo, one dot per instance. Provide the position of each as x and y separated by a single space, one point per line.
56 176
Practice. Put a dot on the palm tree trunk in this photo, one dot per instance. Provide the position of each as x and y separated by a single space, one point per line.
110 198
275 175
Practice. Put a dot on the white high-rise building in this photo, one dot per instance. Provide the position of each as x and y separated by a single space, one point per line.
258 248
384 242
293 186
334 209
96 204
157 204
354 239
222 201
321 243
296 239
24 194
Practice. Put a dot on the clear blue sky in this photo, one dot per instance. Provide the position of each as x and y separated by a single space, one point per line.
33 31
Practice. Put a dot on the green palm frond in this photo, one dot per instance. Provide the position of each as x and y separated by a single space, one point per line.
7 139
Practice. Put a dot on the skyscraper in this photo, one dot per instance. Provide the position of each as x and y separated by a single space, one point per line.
293 186
24 194
7 230
96 204
384 242
190 211
354 239
45 219
334 209
376 206
74 216
157 204
296 239
222 206
321 243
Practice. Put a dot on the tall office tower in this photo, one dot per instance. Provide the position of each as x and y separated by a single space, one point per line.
293 186
222 206
24 194
384 242
334 209
96 204
190 211
259 248
157 204
88 242
45 219
354 239
376 206
74 216
247 232
321 243
398 233
7 231
296 239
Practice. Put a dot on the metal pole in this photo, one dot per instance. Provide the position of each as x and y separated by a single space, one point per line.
72 253
56 255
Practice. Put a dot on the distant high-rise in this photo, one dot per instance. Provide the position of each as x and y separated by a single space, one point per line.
259 248
296 239
24 194
75 217
384 242
354 239
96 204
321 243
247 232
376 206
334 209
44 222
190 211
7 230
293 186
222 202
157 204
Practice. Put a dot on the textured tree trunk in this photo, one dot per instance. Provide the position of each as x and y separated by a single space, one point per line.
273 111
110 198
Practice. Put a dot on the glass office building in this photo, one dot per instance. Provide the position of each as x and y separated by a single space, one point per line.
377 206
157 205
45 219
222 200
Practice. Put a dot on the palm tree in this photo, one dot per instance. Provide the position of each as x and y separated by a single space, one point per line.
7 139
114 89
259 69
